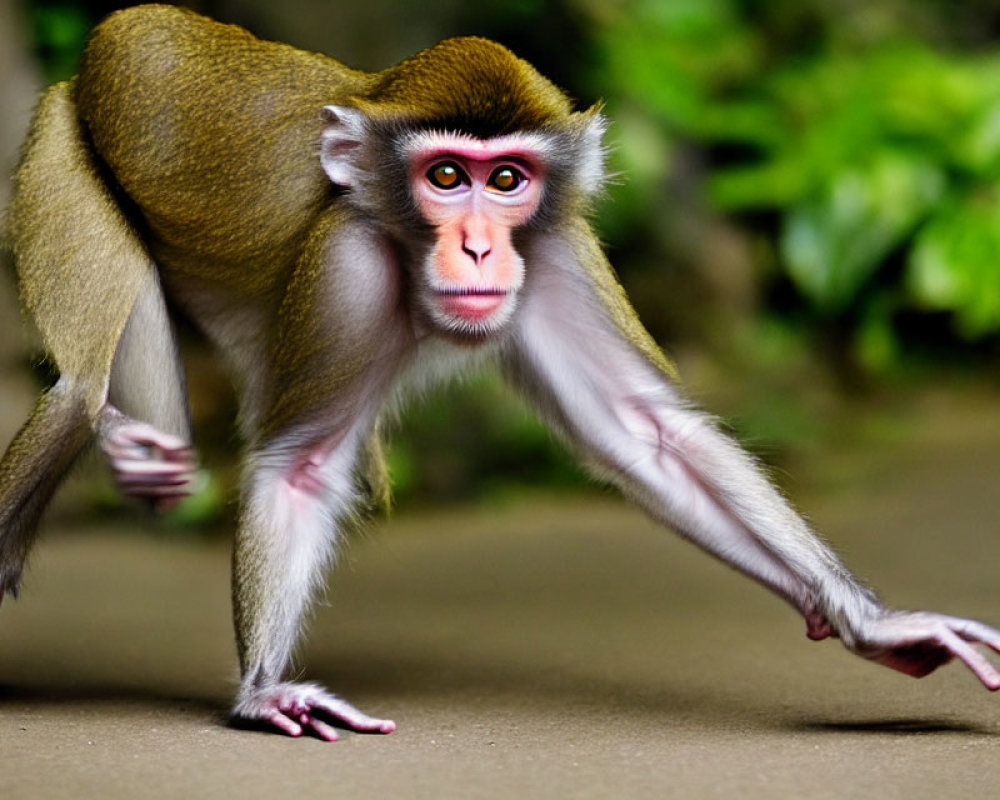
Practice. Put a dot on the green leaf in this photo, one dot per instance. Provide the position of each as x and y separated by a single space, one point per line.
834 243
955 264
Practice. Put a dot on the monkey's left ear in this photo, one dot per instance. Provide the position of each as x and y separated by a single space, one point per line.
590 150
341 144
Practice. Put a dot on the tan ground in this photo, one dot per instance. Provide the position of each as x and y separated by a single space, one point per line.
555 648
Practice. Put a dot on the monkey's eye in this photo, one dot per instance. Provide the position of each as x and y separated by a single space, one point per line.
446 176
505 179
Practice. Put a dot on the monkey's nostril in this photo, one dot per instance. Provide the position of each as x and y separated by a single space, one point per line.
477 251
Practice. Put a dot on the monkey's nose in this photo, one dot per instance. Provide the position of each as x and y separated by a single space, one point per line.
477 249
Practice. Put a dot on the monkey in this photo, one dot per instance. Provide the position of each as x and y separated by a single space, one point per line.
345 239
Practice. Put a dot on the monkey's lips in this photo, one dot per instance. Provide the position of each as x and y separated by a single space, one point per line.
471 304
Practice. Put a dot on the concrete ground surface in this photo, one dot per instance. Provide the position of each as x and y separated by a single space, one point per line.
549 647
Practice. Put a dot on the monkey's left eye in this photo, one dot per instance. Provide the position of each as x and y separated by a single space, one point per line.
446 176
506 179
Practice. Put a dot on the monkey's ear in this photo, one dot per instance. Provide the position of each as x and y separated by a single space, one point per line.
591 152
341 144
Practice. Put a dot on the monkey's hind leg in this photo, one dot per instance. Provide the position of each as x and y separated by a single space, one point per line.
142 427
31 470
89 282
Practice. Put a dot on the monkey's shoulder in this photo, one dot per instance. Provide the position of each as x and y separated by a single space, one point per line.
168 61
201 120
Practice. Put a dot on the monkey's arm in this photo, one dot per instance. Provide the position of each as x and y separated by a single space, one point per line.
338 344
588 369
288 526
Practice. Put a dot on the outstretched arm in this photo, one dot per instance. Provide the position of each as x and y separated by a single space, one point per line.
581 357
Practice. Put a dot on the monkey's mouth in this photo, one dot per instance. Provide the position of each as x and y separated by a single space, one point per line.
471 304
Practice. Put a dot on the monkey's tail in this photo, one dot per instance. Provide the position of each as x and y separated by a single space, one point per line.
31 470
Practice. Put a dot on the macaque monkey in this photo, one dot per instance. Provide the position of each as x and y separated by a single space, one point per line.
344 238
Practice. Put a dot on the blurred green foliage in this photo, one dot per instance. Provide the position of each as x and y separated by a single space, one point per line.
474 439
861 138
850 147
59 30
873 152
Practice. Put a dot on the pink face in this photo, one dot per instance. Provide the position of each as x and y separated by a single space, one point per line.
475 193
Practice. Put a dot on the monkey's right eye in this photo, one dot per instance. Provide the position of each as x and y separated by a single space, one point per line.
446 176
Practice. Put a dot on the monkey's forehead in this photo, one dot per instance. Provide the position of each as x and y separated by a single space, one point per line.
528 145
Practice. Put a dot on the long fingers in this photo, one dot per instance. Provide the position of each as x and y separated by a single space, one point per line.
282 719
150 464
284 723
976 632
917 643
325 732
972 658
959 636
140 433
352 717
296 714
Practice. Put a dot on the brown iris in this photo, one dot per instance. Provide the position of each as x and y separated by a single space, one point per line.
446 175
505 179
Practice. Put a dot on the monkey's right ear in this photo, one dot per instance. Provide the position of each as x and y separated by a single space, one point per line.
340 144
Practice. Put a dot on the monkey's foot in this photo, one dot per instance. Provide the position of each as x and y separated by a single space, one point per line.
294 707
148 463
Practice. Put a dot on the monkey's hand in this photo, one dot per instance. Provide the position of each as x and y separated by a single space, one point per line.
295 707
146 462
918 642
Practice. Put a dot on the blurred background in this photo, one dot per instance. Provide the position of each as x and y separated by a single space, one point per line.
806 211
